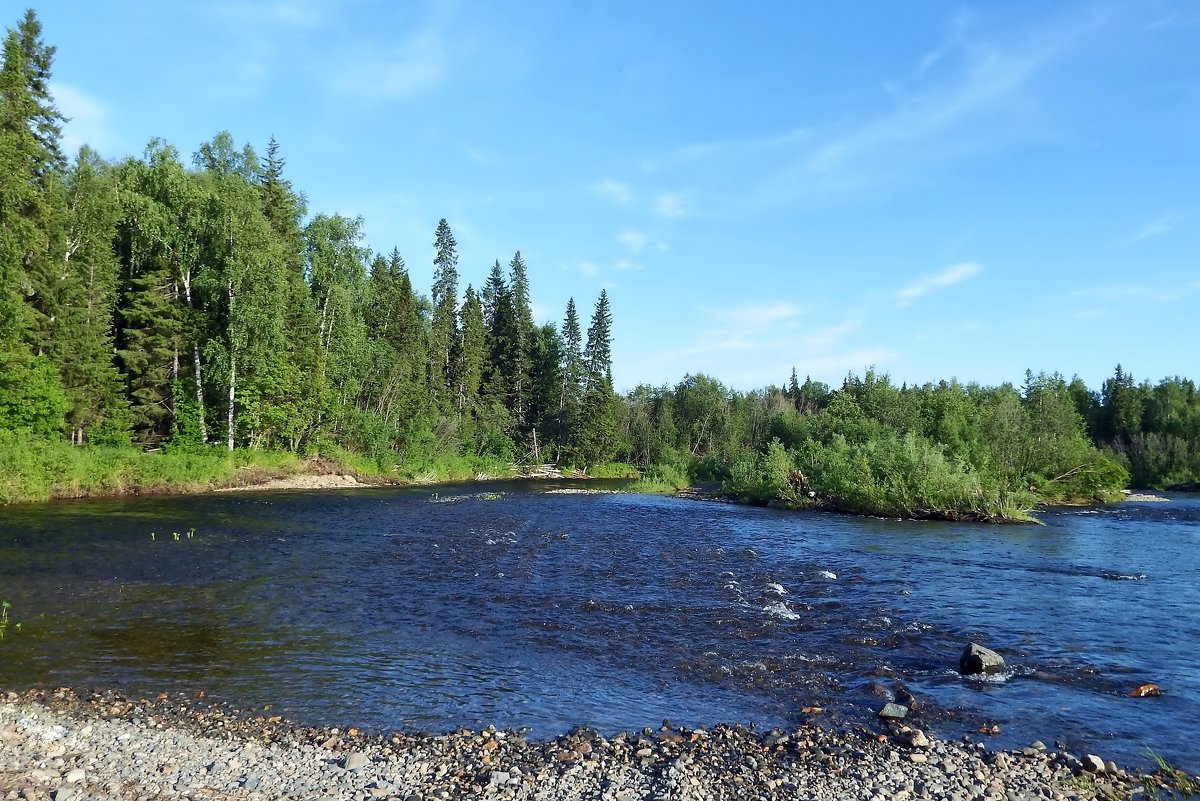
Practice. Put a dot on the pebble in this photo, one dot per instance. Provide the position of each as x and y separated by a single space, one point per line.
130 750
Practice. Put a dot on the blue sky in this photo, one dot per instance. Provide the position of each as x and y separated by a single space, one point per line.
937 189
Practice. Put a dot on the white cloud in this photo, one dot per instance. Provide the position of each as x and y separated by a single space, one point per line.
633 240
413 67
670 204
89 120
613 190
1156 227
752 317
955 274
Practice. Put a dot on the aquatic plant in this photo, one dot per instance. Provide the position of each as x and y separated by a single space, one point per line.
4 621
1176 784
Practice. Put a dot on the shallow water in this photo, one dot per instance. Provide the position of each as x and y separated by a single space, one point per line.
432 609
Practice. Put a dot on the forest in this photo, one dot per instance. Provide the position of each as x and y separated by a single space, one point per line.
167 321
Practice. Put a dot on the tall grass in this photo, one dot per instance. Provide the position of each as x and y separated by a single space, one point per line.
34 469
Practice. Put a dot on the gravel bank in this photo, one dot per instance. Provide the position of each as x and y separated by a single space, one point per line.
101 746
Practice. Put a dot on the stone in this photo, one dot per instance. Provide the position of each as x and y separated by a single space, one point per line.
75 776
1145 691
893 712
977 659
1093 764
913 738
355 761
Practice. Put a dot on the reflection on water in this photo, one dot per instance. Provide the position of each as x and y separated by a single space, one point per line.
394 608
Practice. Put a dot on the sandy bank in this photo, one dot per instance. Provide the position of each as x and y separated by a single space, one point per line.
303 482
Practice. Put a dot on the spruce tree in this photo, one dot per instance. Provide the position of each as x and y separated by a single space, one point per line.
523 344
598 354
470 355
571 383
596 436
443 330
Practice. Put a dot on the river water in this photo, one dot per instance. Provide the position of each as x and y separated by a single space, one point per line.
522 606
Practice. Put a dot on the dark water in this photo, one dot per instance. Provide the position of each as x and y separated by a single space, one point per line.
405 609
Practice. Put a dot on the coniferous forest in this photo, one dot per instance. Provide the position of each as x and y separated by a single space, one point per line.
167 319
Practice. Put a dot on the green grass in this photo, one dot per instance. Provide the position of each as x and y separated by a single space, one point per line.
34 469
662 479
612 470
1168 782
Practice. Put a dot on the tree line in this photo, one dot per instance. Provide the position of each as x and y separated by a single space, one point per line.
873 447
198 306
163 304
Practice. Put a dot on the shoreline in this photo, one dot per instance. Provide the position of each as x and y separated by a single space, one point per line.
71 747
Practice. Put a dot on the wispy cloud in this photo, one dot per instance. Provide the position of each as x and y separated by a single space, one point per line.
954 274
1161 22
286 13
755 316
592 269
635 241
611 189
415 66
970 93
1128 292
88 120
993 76
764 341
1154 228
670 205
728 148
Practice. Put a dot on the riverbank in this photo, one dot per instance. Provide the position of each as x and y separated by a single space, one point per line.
34 469
70 748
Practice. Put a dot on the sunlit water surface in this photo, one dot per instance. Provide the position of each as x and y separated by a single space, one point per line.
432 609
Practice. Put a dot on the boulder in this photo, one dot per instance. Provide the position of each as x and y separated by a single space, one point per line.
1145 691
893 712
977 659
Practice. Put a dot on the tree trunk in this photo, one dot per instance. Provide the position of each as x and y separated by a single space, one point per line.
187 294
232 394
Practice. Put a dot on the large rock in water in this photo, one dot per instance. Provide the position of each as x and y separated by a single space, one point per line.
977 659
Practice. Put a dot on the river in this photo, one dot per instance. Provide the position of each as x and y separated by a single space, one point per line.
521 606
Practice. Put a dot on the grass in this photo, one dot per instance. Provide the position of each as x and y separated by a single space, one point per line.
1168 782
34 469
612 470
661 479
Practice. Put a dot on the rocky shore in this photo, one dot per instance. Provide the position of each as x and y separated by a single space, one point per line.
67 747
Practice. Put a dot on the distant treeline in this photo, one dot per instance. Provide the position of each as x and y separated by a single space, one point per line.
149 304
873 447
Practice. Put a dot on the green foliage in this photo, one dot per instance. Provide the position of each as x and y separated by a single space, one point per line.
31 394
662 478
